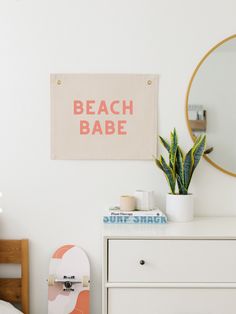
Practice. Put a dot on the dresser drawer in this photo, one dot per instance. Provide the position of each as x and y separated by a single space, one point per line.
171 301
172 261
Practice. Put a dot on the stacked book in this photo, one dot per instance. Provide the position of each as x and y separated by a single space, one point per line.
116 216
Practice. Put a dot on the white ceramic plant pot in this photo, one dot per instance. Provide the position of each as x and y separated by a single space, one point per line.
179 208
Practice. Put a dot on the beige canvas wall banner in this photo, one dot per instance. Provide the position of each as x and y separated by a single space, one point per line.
104 116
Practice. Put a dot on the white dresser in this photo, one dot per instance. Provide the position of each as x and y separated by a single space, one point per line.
178 268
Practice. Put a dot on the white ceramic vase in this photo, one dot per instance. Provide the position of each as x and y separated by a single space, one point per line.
179 208
144 199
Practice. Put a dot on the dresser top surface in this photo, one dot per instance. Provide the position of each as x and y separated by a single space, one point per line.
200 227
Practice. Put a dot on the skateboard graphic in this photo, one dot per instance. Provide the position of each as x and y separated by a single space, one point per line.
69 281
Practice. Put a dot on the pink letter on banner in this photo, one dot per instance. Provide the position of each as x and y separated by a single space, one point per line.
128 107
121 126
89 104
109 127
103 107
78 107
97 128
113 103
84 127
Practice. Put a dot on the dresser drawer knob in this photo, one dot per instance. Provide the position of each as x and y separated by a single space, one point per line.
141 262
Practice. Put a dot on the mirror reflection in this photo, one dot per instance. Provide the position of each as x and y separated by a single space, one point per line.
211 104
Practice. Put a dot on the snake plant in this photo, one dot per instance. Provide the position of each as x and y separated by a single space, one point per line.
180 167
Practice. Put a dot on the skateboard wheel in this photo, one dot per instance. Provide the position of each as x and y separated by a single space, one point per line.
86 281
51 280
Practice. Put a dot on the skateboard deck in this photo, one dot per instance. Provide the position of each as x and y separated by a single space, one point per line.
69 281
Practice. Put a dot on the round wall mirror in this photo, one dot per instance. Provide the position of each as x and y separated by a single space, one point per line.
211 104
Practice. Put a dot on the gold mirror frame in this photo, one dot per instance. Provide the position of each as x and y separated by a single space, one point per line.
187 99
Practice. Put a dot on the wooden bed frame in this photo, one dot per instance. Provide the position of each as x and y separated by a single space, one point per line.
15 290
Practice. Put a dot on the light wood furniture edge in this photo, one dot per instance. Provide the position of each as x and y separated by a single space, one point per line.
16 290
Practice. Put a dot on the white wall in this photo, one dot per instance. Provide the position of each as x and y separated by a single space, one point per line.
55 202
214 88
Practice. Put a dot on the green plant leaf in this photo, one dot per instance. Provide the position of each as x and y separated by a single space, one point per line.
192 159
179 164
169 173
198 150
182 189
180 171
164 143
158 163
173 148
188 166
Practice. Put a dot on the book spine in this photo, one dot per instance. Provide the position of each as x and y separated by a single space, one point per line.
134 220
136 213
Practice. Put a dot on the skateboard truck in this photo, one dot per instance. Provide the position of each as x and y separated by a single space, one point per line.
68 282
